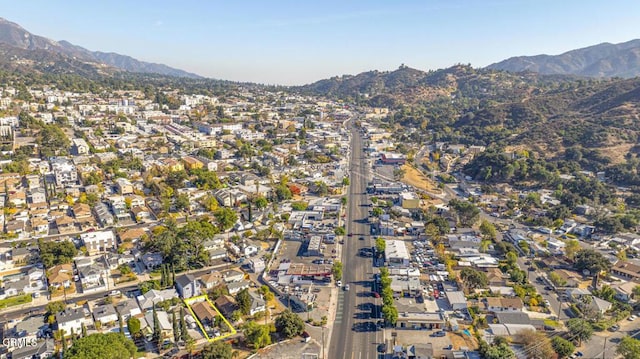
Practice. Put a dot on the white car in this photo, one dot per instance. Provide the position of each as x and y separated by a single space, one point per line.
339 283
632 318
346 287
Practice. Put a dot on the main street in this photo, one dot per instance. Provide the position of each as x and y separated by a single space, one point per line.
354 334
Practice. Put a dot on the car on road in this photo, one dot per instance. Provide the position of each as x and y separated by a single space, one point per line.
376 295
361 238
346 287
350 235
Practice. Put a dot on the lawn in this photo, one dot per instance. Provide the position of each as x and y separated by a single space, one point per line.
11 301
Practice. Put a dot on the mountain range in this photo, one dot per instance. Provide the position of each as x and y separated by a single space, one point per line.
602 60
21 49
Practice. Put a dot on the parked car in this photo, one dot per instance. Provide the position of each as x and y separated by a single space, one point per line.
346 287
614 328
632 318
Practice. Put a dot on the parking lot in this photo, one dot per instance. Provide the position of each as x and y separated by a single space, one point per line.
317 293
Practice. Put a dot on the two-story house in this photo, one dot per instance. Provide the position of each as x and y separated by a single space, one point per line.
188 286
70 320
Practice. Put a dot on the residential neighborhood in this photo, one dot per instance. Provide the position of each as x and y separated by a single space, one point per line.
123 214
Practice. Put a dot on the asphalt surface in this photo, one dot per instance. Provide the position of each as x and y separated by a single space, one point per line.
354 334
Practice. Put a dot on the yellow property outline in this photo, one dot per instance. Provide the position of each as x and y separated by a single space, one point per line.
199 298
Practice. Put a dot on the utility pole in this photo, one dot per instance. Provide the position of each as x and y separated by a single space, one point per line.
604 347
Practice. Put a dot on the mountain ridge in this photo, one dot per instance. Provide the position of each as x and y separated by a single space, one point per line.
12 34
601 60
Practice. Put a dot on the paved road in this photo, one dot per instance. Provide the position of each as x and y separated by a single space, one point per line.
354 335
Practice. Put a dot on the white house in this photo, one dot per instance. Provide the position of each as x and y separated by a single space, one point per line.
70 320
99 241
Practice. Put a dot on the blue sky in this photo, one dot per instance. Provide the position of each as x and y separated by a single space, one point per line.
297 42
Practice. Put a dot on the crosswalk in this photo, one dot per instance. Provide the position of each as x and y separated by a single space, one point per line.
340 308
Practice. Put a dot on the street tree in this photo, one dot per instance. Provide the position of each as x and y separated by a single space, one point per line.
336 270
562 347
381 245
629 348
580 329
390 314
217 350
289 324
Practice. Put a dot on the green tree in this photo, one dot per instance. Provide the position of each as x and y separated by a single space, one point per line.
55 307
299 206
467 212
488 230
562 347
267 294
289 324
381 245
157 330
473 279
184 334
500 351
579 329
591 260
133 324
244 301
390 314
336 270
340 231
629 348
571 248
217 350
176 327
102 346
283 192
182 202
261 202
256 335
345 181
605 292
53 253
225 218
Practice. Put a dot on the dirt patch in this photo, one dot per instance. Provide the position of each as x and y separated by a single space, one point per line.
616 153
415 178
459 340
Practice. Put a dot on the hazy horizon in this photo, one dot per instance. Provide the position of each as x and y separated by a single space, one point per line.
291 43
